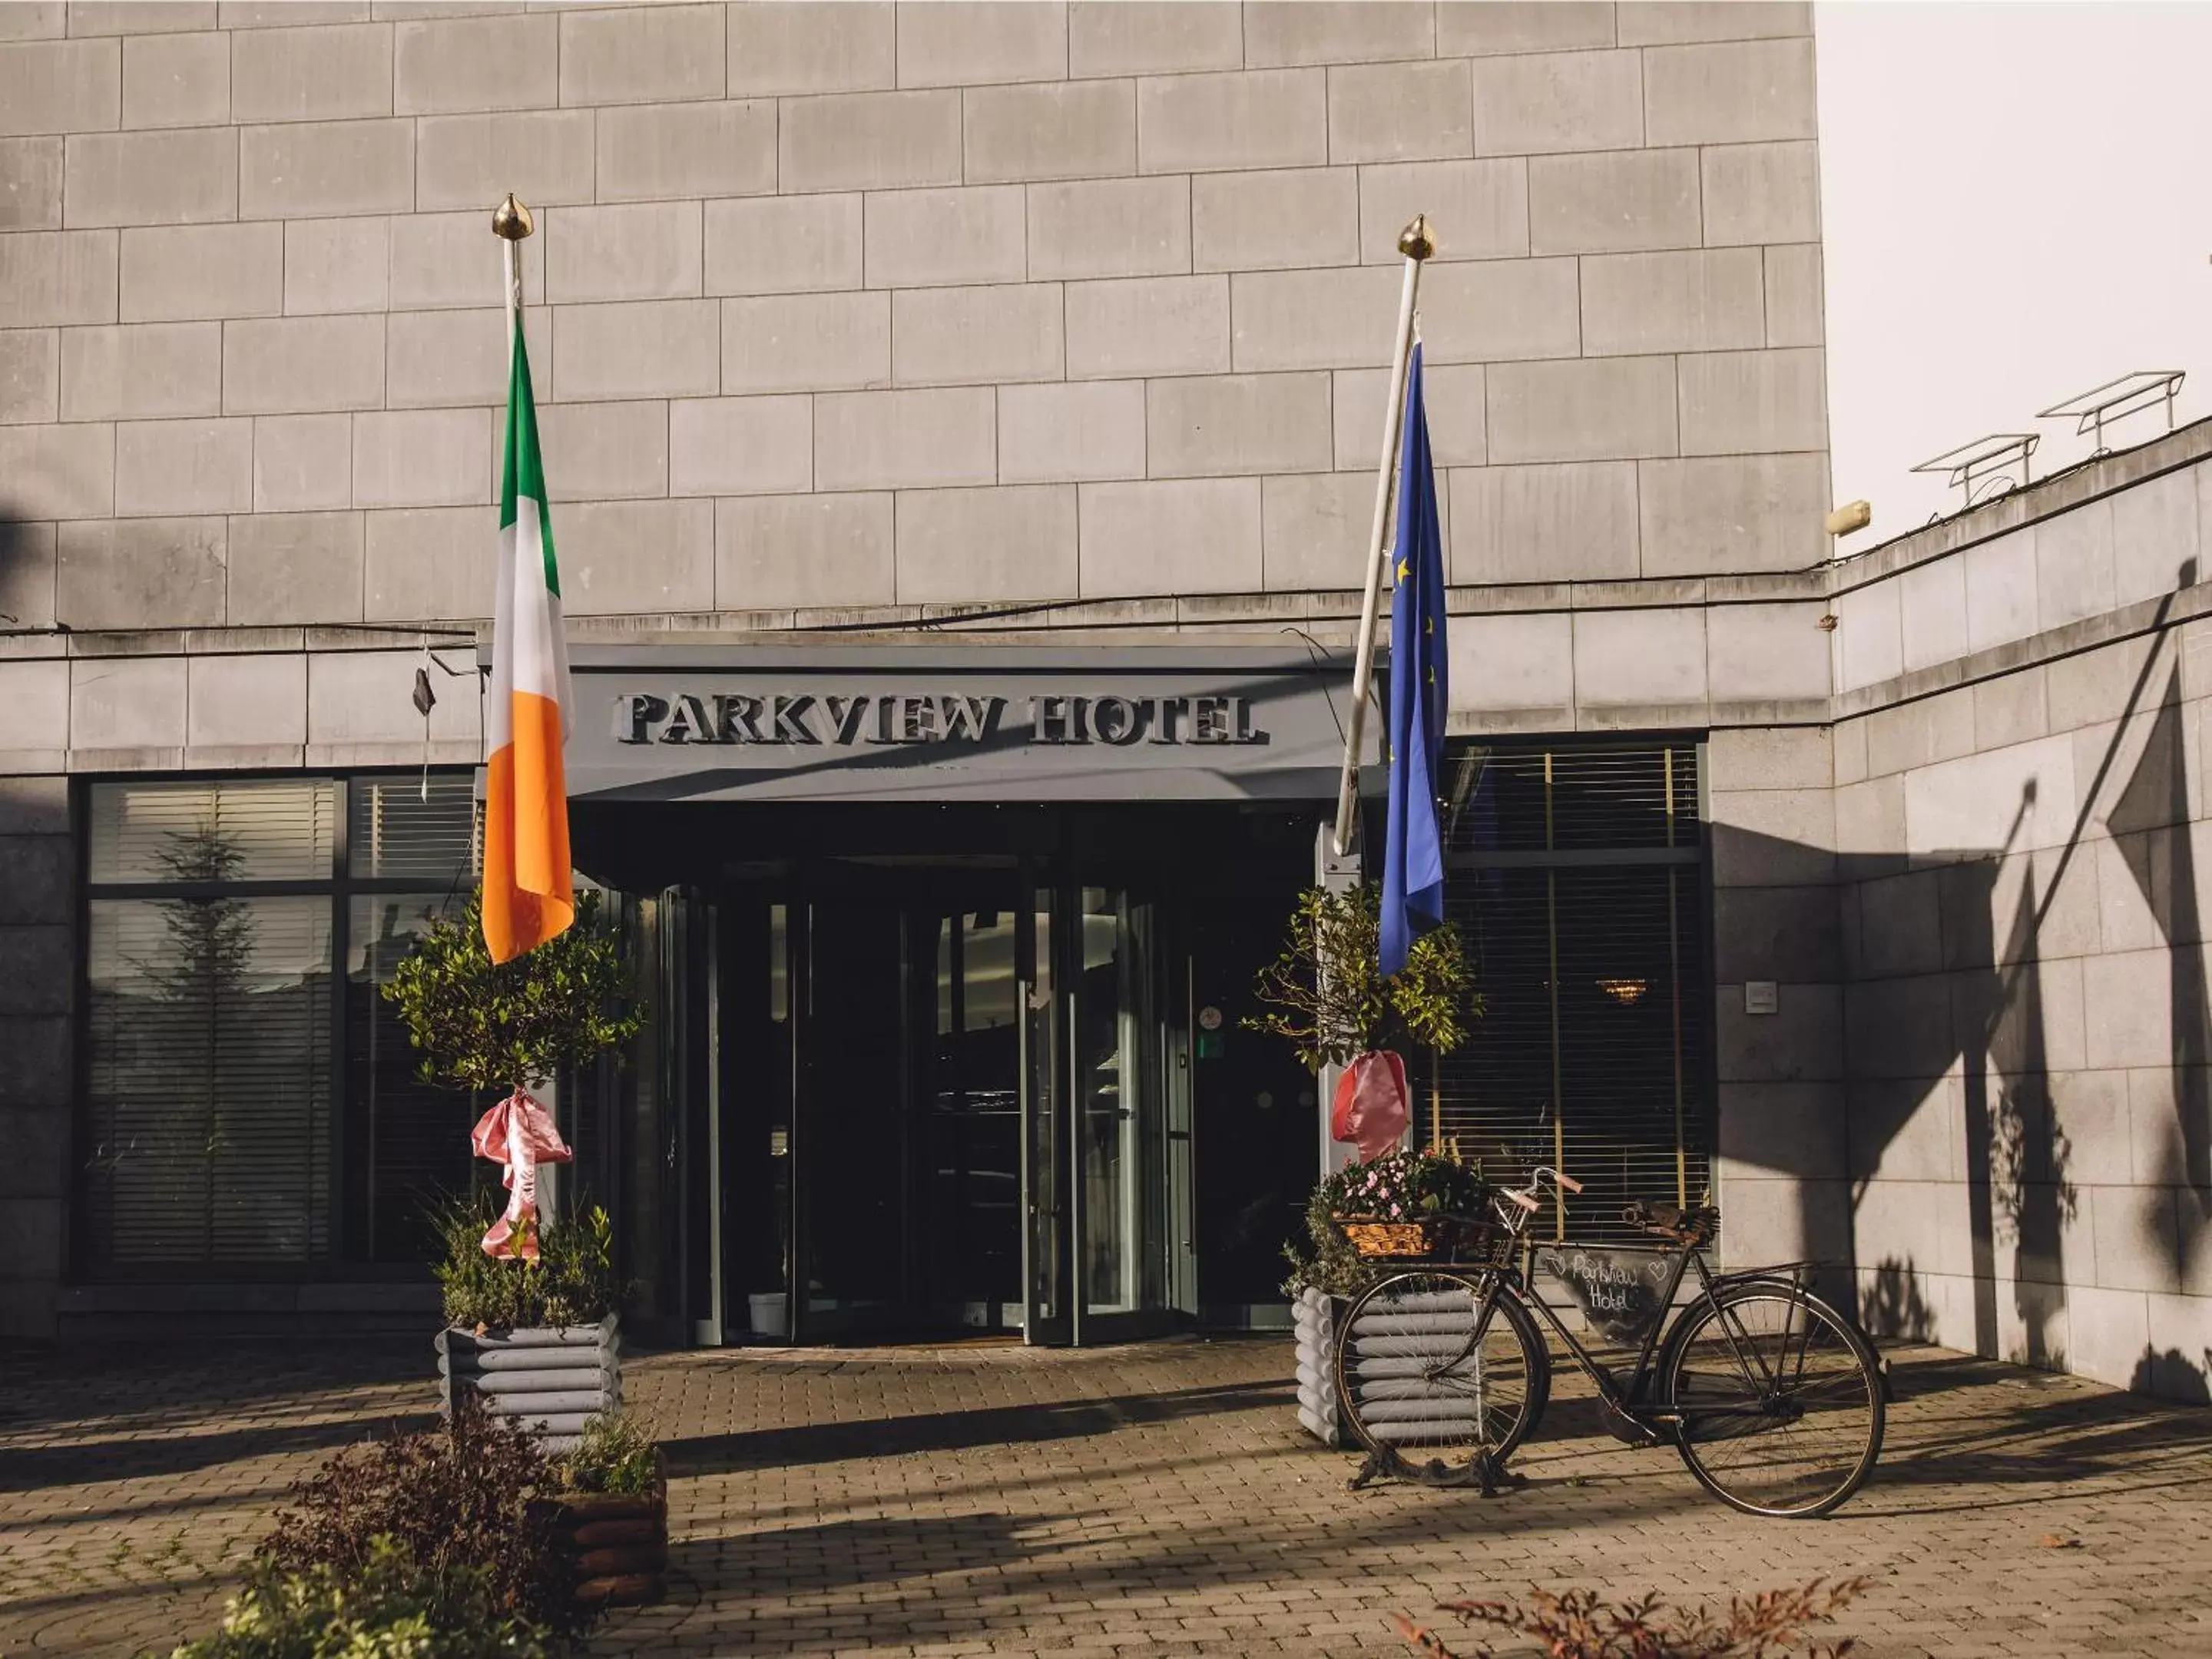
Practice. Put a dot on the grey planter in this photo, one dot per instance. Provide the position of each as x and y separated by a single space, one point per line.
553 1382
1317 1317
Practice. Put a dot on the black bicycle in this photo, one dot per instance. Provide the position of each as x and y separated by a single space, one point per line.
1774 1399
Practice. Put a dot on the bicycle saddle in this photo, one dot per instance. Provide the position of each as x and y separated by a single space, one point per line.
1691 1226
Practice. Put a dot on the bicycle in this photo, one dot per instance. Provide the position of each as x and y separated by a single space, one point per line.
1774 1399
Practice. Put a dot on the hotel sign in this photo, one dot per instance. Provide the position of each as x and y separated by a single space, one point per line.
904 717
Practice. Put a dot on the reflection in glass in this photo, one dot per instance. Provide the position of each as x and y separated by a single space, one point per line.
976 1118
1107 1084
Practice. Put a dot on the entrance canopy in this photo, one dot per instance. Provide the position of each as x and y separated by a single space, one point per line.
978 721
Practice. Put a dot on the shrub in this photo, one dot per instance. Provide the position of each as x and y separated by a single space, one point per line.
454 1503
572 1282
1397 1187
1324 993
1578 1624
615 1456
388 1610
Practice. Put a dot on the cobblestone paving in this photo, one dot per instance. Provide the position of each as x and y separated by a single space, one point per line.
1150 1500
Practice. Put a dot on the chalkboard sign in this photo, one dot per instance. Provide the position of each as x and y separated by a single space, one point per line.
1621 1290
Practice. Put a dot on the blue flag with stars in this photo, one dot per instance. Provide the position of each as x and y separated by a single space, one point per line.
1413 853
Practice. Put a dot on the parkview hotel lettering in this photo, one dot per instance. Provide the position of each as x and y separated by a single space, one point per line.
641 717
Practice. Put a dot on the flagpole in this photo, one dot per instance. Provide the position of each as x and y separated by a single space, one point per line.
1416 244
511 222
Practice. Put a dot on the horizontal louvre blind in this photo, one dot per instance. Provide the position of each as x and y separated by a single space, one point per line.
1588 934
279 831
394 831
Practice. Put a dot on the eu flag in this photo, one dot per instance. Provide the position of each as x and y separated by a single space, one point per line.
1413 854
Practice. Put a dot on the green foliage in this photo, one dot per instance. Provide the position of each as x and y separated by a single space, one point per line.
484 1025
388 1610
1397 1187
616 1457
1325 993
572 1282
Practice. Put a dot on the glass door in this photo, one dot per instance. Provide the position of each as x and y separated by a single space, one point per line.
1048 1247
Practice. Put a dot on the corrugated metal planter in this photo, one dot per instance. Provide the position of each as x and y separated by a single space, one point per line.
1317 1319
616 1544
550 1381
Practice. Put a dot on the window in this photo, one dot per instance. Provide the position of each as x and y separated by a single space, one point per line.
1577 876
249 1106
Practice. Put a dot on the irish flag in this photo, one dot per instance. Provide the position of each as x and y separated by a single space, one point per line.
527 897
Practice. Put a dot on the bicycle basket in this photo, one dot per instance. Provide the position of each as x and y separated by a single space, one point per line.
1436 1237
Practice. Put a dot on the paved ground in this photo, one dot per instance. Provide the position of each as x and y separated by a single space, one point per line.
1153 1499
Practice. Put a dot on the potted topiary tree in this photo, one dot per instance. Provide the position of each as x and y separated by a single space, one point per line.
531 1301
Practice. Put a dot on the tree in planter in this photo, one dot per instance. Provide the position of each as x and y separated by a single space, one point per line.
1324 994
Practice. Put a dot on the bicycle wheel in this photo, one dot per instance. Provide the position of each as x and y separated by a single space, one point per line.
1422 1393
1780 1400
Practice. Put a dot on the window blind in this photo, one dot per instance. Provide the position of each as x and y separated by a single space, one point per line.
280 830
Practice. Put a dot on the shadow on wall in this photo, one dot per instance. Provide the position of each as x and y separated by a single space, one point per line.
1892 1305
27 597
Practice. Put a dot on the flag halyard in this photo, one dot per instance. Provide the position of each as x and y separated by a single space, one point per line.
1414 861
528 894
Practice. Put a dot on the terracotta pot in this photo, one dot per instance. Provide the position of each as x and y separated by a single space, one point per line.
616 1542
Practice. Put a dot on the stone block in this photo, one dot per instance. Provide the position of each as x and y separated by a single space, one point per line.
1741 93
1675 22
869 140
1054 130
309 169
190 271
39 1073
782 47
335 265
1401 112
183 176
33 719
1869 640
1274 312
425 457
1740 402
363 696
296 365
783 245
2178 1355
141 369
1613 201
1068 431
2074 565
37 884
2095 686
1144 37
641 55
451 65
58 471
606 451
1639 657
922 237
176 79
1287 218
240 701
26 575
1147 325
1250 119
1601 409
963 43
56 278
806 342
1765 653
545 156
1490 310
90 17
1544 102
1795 301
1513 662
1484 28
1787 934
35 978
1314 531
437 261
1237 423
905 440
2138 1240
1795 1128
2089 1112
60 86
1907 1126
2023 796
166 469
2128 1007
1171 536
1898 930
654 150
328 73
2155 531
773 552
637 558
1774 837
1710 516
1802 1041
426 564
1452 393
647 251
638 349
442 358
1543 524
127 702
740 446
1690 300
1006 544
1851 746
2001 589
1757 193
1931 599
1911 735
136 573
1484 202
30 184
2010 710
37 19
1110 226
290 569
1287 32
30 376
1776 757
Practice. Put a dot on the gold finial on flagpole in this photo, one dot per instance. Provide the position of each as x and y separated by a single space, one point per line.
1416 241
511 219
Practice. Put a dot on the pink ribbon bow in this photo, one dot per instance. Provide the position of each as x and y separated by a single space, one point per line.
518 1132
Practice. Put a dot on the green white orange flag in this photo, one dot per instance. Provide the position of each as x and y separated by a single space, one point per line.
527 894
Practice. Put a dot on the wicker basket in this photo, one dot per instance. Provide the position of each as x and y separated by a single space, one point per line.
1431 1235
